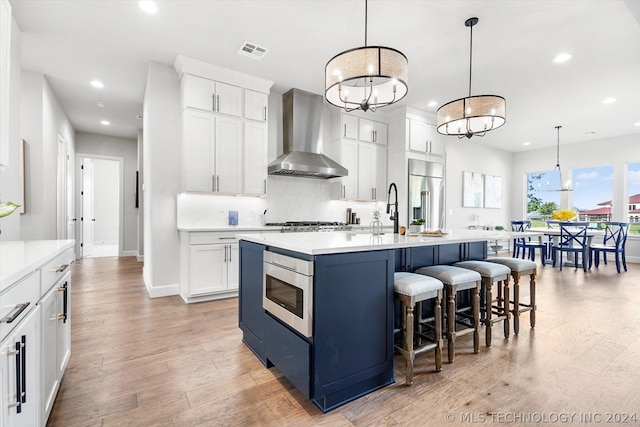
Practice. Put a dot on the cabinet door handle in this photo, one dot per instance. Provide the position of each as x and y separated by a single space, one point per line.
62 267
65 295
227 237
225 253
218 183
213 102
19 308
218 102
213 183
23 390
265 113
344 192
345 130
265 187
229 253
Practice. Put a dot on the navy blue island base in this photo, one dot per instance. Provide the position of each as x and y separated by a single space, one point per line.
351 351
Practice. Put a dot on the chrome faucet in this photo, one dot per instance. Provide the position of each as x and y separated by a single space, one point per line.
394 216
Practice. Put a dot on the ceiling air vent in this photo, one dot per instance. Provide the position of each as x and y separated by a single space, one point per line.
253 51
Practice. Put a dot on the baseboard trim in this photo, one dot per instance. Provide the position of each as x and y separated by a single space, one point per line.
140 258
129 253
159 291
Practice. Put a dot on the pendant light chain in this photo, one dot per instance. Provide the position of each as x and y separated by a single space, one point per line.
470 56
365 22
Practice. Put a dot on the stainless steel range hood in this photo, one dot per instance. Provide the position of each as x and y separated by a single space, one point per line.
302 139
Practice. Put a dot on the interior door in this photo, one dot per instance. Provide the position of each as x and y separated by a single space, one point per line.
86 217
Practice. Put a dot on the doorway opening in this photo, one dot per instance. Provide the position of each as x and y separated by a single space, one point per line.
100 207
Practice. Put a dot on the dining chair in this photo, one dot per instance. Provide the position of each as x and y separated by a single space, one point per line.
551 224
615 239
573 239
526 244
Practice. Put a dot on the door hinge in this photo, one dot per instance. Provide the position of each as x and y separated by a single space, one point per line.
81 218
81 244
81 166
82 193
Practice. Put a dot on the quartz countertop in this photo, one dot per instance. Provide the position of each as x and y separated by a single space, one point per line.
320 243
230 228
19 258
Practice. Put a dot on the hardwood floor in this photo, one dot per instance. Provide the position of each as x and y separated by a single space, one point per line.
138 361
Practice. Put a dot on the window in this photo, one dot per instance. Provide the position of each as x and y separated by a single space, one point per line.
541 199
633 209
593 193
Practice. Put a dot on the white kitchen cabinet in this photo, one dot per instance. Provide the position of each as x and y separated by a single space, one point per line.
228 155
424 137
255 105
367 166
198 130
56 339
212 153
255 158
20 355
372 131
209 267
347 128
205 94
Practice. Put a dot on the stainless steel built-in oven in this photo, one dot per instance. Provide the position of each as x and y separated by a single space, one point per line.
287 291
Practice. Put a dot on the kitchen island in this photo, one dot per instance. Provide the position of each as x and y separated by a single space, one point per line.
349 351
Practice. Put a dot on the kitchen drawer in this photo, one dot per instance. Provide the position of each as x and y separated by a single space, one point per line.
17 301
211 238
54 270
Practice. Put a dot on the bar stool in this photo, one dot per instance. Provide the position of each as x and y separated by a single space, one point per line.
456 279
519 268
411 289
490 273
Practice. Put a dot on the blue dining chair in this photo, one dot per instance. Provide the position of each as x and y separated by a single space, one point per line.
615 239
573 239
526 244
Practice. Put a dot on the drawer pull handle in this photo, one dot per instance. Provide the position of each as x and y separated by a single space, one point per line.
61 268
227 238
19 308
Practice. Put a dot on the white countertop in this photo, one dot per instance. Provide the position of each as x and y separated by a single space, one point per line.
19 258
229 228
319 243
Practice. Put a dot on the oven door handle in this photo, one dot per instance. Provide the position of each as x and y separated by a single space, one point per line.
283 266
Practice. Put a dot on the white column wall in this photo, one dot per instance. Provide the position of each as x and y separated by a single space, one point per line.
162 160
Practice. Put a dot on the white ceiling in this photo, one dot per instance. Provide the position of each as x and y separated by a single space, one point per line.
73 42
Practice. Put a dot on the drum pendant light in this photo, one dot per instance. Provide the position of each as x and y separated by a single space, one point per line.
473 115
367 77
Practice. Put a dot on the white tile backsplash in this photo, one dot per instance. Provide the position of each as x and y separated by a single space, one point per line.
289 199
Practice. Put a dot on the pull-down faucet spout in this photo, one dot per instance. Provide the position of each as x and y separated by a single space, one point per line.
394 216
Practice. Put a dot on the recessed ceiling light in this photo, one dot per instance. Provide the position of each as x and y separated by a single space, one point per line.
97 84
148 6
105 122
432 104
100 104
526 143
609 100
562 57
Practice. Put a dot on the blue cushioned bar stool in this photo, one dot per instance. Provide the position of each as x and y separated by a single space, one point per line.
456 279
491 272
519 268
411 289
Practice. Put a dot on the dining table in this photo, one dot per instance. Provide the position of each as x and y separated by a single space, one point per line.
554 233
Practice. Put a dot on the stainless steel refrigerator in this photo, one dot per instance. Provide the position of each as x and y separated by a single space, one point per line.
426 193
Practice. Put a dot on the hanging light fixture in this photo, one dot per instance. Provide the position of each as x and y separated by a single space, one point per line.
473 115
564 186
367 77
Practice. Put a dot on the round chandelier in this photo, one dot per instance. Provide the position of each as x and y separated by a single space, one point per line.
367 77
473 115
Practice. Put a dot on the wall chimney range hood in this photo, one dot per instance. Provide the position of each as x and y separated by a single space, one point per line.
302 139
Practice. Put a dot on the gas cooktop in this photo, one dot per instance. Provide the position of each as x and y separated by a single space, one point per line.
301 226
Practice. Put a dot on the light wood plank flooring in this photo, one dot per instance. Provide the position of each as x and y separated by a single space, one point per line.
160 362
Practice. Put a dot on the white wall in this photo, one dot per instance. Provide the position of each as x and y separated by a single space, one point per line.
127 149
162 160
473 156
10 189
42 120
139 210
